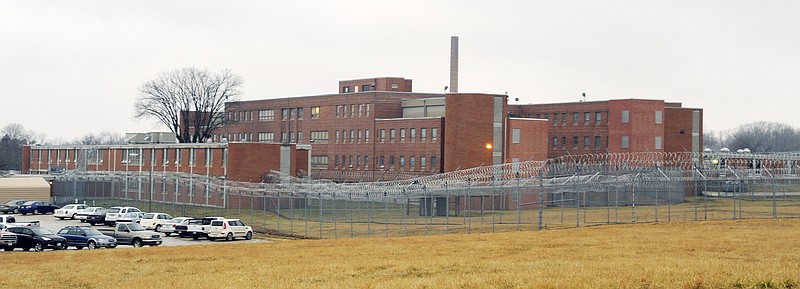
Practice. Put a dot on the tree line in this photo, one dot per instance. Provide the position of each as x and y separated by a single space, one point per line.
758 137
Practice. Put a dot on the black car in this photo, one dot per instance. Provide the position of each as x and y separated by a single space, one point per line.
11 206
37 207
37 238
96 218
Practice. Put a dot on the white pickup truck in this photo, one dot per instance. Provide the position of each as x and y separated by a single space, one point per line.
196 228
7 239
10 221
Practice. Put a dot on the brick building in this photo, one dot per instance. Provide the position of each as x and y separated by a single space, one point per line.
613 126
377 128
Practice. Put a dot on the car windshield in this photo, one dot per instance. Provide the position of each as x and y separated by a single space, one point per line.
29 203
216 223
92 232
135 227
11 203
148 216
114 210
41 231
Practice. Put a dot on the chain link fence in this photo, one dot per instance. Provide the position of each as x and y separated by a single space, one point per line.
566 192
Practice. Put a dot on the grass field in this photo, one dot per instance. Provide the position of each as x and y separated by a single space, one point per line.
711 254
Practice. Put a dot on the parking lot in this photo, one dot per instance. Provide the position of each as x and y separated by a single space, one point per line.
53 224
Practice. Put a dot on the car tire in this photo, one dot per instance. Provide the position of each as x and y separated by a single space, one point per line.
35 211
112 246
73 216
167 234
137 243
62 247
38 247
212 239
24 214
9 248
158 228
91 245
195 236
249 236
79 247
16 211
83 221
26 249
229 237
60 218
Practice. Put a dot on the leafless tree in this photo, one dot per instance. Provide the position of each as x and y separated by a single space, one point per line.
189 96
764 137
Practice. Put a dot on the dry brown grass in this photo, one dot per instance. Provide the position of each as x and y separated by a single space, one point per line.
714 254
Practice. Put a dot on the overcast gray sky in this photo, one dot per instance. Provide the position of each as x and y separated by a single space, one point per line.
68 68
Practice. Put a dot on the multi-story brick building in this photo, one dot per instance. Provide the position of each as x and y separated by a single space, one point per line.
376 128
625 125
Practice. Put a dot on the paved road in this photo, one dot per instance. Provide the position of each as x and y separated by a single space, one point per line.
54 224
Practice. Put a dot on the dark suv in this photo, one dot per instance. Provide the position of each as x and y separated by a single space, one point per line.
91 238
37 238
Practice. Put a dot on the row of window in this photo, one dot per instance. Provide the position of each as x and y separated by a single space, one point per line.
358 162
269 114
412 135
343 136
587 142
586 118
355 110
130 156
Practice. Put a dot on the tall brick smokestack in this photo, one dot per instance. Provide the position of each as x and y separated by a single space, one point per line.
454 64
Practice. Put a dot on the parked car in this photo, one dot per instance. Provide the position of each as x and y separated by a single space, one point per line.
91 238
168 227
10 221
11 206
197 228
229 229
154 221
82 215
116 212
132 234
37 238
69 211
36 207
7 239
98 217
131 217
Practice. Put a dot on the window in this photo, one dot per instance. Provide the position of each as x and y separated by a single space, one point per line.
575 118
344 110
345 89
564 141
574 142
360 109
515 135
402 162
299 137
338 110
411 165
555 119
177 157
626 114
284 113
625 143
366 162
209 157
413 134
299 112
359 136
433 163
352 136
283 137
586 118
391 135
366 87
391 162
555 142
564 118
350 164
335 161
383 135
402 135
395 86
192 157
366 135
596 142
266 137
659 117
337 136
423 134
291 113
319 136
319 161
422 163
434 134
658 142
291 136
586 142
165 154
315 112
367 113
598 117
344 161
381 160
352 110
